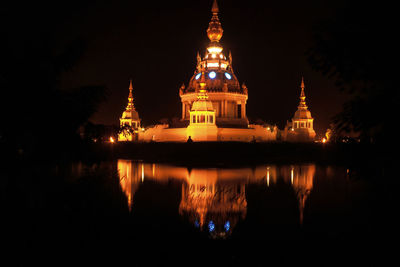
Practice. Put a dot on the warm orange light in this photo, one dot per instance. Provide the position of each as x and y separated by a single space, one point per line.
214 49
112 139
213 65
323 140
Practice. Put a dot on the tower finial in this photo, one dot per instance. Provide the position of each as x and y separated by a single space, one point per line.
302 95
130 85
215 30
215 8
130 97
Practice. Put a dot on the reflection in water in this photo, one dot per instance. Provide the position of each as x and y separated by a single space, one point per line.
214 200
301 179
129 178
212 203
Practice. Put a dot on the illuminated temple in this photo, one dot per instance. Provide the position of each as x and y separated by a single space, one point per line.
301 127
214 104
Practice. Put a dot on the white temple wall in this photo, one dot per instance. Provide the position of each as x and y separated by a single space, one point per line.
161 133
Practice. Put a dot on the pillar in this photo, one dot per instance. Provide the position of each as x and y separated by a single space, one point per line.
183 110
243 110
226 108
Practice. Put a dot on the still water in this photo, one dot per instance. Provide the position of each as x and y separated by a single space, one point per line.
265 201
178 214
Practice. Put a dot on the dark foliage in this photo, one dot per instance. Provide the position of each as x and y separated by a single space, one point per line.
356 49
35 52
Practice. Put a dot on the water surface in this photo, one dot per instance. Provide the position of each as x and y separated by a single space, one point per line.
164 213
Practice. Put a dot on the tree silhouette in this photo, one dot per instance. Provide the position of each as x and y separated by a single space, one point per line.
356 49
35 113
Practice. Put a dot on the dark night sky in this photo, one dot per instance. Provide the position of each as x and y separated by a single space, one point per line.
155 44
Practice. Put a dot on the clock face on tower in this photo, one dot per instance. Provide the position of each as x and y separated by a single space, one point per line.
212 74
228 76
198 76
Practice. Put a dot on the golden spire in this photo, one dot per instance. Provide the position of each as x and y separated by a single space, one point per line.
130 85
215 8
302 95
202 95
214 31
130 97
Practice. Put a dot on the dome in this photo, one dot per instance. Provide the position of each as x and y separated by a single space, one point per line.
202 106
131 114
302 114
217 80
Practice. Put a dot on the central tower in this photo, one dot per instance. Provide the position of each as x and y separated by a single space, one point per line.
228 98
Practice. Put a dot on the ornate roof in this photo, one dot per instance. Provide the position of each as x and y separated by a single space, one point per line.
215 66
130 111
302 110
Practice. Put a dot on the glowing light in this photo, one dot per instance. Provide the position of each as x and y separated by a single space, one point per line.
227 226
142 172
221 56
211 226
291 175
267 176
214 49
212 65
228 76
198 76
213 55
323 140
223 66
112 139
212 75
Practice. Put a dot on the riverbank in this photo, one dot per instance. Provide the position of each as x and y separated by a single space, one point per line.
209 154
235 153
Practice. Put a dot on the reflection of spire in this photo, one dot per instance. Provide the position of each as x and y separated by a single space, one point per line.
129 179
302 182
302 197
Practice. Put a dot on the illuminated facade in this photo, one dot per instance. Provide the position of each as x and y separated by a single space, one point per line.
202 124
129 121
224 91
301 128
214 105
213 102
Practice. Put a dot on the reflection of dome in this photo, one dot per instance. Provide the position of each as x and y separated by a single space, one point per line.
214 207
